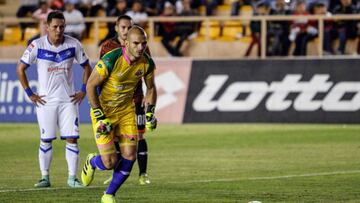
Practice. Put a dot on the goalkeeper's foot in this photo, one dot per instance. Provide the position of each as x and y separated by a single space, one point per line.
144 179
108 181
87 173
107 198
44 182
74 182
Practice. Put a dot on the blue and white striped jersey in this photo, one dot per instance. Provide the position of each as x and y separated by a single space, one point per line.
54 66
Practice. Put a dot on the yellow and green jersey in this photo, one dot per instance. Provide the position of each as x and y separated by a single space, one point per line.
121 79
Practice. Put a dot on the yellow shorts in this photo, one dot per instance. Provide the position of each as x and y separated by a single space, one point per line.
123 125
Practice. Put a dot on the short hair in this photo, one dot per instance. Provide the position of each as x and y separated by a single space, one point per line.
136 29
123 17
42 2
138 1
55 14
319 4
300 2
263 5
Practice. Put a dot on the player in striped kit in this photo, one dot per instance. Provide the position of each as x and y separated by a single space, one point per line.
56 99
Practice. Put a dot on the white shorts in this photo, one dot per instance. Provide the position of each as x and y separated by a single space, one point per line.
62 115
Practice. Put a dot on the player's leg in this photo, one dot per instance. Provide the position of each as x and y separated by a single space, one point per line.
47 119
142 151
128 147
118 152
107 158
68 117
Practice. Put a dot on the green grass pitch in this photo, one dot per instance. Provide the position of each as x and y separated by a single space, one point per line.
201 163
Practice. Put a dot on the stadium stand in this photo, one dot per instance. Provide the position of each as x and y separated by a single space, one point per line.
12 35
213 32
221 31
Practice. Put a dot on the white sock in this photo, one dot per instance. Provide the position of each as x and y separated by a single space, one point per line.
45 157
72 157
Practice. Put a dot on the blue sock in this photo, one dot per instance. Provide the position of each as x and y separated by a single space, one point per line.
96 162
121 173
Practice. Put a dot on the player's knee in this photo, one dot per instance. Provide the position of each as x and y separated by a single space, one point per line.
109 164
110 161
45 144
129 155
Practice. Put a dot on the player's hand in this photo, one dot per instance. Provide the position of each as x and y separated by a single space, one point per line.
151 121
77 97
36 99
103 125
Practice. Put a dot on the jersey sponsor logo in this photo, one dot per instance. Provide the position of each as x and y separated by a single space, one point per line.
120 87
100 64
49 55
343 96
30 47
54 56
56 69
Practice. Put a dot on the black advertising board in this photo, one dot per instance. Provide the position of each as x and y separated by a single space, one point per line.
285 91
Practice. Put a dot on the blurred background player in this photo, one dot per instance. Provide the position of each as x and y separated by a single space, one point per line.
40 15
75 23
123 24
56 101
113 111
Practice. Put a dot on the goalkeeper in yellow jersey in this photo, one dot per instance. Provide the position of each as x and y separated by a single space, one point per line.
123 25
113 111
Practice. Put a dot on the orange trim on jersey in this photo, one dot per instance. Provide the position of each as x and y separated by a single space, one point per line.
141 131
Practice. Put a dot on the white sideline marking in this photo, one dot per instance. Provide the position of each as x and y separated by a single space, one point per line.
274 177
199 181
44 189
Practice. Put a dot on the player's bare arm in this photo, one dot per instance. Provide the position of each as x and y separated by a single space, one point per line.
151 94
36 99
95 80
79 96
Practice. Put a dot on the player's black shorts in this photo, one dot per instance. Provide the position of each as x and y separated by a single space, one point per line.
140 116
